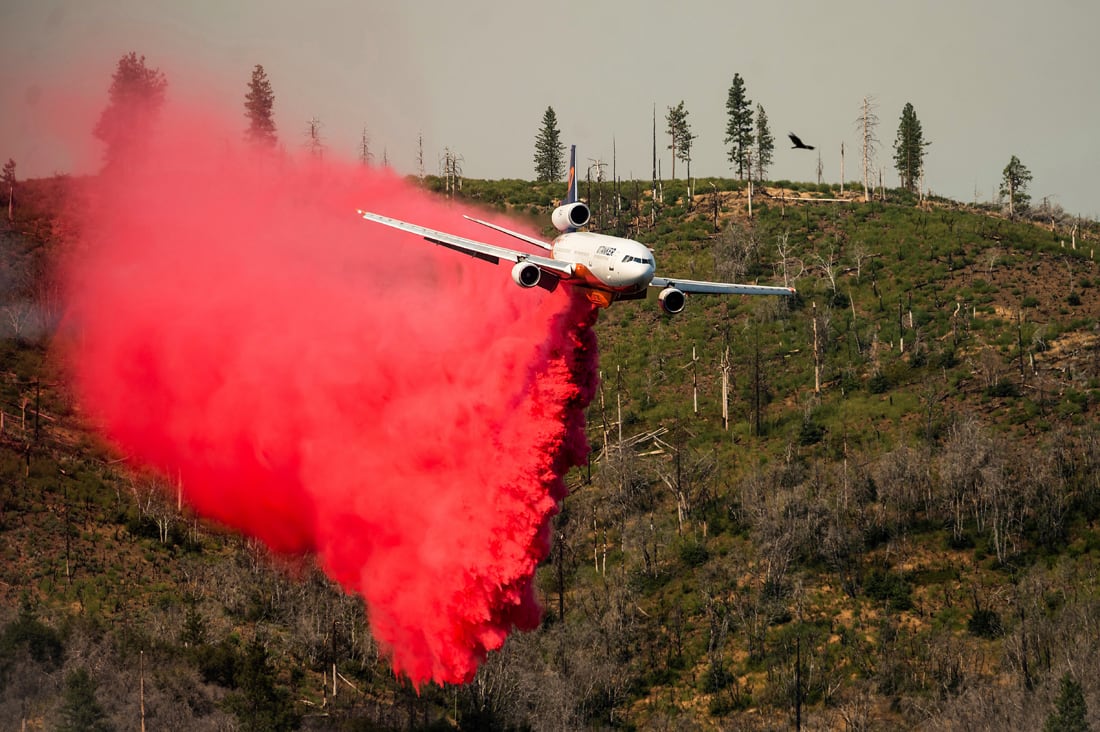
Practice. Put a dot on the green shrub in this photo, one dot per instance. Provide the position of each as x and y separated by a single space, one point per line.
879 384
716 677
218 663
890 587
1003 390
811 433
985 624
947 359
694 554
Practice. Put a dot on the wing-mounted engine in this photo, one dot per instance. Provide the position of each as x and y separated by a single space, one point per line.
526 274
672 300
570 216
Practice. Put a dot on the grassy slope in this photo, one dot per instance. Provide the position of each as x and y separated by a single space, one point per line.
859 562
698 561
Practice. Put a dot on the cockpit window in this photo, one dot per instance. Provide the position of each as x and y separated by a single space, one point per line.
639 260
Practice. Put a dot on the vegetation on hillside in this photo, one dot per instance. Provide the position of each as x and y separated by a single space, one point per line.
897 525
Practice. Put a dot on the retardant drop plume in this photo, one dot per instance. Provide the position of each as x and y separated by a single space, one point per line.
331 386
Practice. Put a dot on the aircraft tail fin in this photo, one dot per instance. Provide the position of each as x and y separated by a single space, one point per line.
571 182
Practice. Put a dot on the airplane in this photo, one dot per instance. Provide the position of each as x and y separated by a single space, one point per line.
607 268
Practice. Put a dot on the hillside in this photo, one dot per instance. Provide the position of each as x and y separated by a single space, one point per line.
898 526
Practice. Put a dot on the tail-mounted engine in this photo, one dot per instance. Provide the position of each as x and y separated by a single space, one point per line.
672 300
526 274
570 216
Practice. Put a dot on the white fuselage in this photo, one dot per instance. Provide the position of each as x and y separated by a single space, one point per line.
606 262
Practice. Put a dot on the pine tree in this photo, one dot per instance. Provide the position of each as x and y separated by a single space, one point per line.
549 150
765 143
1014 182
80 712
909 149
679 129
42 642
193 634
135 97
259 104
260 705
739 127
1070 712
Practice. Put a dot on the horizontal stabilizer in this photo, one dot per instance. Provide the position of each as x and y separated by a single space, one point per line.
509 232
481 250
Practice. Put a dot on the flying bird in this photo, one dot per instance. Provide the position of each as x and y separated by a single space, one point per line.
798 144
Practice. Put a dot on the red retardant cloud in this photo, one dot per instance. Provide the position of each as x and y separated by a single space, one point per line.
332 386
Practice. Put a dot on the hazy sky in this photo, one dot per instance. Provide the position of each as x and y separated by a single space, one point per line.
988 79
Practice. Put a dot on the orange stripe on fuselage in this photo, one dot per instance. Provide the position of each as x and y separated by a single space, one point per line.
598 292
585 275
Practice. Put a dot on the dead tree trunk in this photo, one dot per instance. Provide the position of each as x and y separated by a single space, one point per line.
817 355
726 389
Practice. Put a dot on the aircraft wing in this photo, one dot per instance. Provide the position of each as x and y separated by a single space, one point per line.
697 287
481 250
